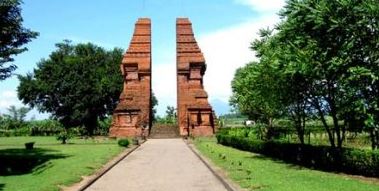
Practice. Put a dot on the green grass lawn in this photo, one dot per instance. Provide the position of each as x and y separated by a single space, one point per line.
50 163
256 172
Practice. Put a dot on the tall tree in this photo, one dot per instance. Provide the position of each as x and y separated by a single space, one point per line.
170 114
342 36
15 118
323 58
17 114
288 85
13 35
78 84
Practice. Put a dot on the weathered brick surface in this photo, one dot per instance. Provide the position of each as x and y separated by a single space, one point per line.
133 111
195 114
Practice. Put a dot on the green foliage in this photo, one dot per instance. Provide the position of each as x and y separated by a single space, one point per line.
15 119
23 131
77 84
47 127
250 87
321 60
257 172
17 114
232 120
154 104
169 118
103 127
171 114
13 35
123 142
354 161
64 136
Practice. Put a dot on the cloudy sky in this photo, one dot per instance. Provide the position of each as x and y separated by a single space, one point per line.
223 29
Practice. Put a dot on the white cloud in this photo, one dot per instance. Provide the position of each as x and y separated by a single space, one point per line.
8 98
263 5
9 94
226 50
164 84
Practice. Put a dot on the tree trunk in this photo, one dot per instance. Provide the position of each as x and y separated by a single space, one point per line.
333 112
300 130
90 124
326 126
298 116
64 140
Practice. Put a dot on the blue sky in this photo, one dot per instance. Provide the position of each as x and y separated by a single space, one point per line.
223 29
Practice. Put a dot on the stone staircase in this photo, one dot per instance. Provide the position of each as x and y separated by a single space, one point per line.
164 131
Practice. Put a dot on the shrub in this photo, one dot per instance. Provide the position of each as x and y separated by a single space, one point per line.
347 160
103 127
45 127
23 131
123 142
63 136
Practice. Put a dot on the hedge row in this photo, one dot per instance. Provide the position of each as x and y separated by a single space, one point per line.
347 160
31 131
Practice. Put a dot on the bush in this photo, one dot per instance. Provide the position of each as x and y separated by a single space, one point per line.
347 160
23 131
103 127
123 142
63 136
45 127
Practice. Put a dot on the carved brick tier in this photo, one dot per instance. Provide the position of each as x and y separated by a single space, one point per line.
195 114
132 114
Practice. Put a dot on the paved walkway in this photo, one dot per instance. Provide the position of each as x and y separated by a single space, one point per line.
159 165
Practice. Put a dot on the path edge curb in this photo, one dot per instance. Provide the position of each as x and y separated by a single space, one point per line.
108 166
228 184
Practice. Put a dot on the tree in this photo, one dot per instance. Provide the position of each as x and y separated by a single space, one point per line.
170 114
13 35
169 118
250 86
341 37
154 104
15 117
17 114
322 59
287 86
78 84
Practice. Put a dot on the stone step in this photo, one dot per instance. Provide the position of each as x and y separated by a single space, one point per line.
164 136
164 132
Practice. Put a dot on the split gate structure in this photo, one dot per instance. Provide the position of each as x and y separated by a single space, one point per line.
133 113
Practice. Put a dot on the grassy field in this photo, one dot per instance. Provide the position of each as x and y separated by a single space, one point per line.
256 172
50 163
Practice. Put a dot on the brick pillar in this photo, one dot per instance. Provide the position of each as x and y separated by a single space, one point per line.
133 112
195 114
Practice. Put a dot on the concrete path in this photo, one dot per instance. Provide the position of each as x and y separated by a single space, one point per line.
159 165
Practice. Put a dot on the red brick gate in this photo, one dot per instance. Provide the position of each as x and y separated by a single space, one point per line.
195 114
133 113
